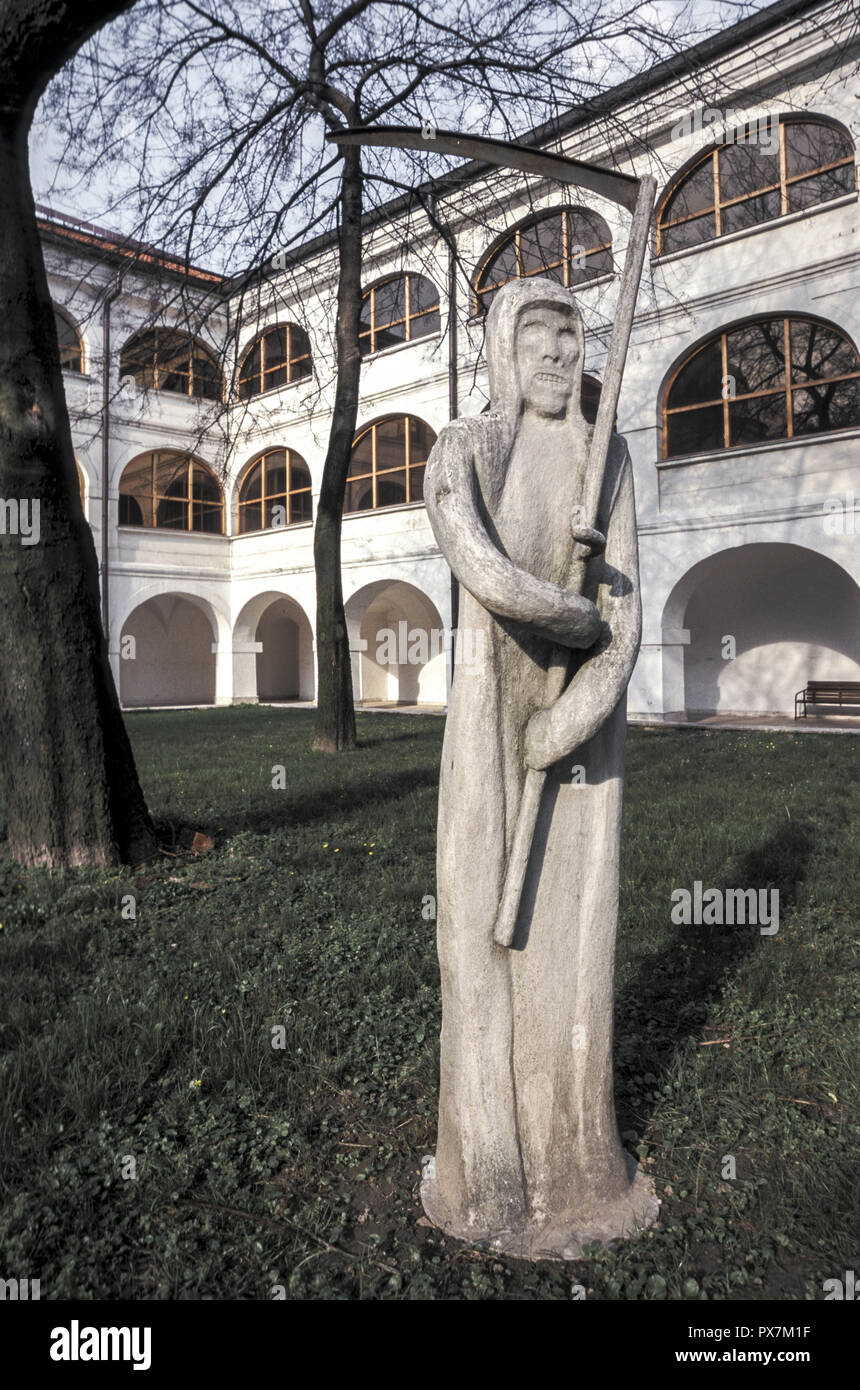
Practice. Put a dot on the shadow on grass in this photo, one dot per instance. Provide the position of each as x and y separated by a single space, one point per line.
303 808
427 736
673 991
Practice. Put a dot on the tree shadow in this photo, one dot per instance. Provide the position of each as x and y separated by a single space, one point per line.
301 808
425 735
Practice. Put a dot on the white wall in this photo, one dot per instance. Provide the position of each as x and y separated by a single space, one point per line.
169 660
793 616
731 504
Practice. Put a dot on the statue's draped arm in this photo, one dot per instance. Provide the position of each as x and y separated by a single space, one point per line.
451 497
601 680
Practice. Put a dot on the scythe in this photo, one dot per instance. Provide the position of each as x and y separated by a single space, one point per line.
637 197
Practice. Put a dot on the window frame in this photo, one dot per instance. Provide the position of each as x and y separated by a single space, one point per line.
409 317
407 466
191 461
193 344
70 323
782 186
265 497
786 390
260 341
514 234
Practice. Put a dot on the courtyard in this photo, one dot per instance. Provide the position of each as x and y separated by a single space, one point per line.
219 1071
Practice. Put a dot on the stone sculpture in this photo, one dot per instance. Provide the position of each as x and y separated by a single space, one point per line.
529 1159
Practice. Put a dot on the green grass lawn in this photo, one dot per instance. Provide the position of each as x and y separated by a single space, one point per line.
150 1039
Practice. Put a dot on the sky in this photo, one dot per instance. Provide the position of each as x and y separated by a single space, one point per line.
96 200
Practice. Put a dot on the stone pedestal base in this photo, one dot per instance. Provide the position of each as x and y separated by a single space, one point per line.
634 1211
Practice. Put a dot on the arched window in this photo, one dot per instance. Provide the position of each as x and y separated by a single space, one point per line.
572 246
747 181
735 389
279 357
276 491
171 491
590 398
169 360
387 463
68 339
398 310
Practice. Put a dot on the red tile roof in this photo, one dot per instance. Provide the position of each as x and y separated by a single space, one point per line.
114 245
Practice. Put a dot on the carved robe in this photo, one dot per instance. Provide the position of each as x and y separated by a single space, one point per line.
528 1152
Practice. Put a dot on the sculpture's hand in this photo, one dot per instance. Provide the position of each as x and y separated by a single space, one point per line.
539 745
581 625
590 541
587 543
545 743
552 733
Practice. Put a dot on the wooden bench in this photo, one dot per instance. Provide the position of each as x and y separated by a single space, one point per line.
826 693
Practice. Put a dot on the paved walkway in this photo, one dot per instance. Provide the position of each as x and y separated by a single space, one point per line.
767 723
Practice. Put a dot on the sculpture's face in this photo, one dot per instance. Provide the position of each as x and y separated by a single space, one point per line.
546 351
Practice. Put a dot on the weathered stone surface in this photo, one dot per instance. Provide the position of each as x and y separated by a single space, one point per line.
529 1157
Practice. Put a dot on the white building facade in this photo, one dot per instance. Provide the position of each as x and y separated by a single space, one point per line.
740 403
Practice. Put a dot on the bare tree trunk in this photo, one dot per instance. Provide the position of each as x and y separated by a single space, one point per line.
335 726
71 790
